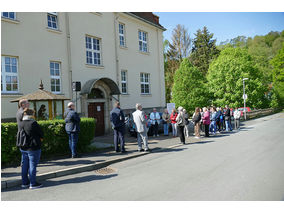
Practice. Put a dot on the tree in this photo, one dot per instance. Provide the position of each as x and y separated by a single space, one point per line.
189 90
204 50
225 79
278 79
180 45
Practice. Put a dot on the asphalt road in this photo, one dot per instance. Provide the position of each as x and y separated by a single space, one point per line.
244 165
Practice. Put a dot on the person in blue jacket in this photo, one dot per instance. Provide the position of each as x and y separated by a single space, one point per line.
72 128
117 119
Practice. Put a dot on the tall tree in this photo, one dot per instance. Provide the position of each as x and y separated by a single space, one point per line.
225 79
189 90
204 50
179 48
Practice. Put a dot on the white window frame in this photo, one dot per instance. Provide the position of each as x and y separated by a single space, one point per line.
2 15
143 41
93 50
52 14
143 82
124 81
55 77
5 74
122 40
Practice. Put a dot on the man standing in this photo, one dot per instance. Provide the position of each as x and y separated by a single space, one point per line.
118 123
141 129
23 103
72 127
228 119
237 116
155 118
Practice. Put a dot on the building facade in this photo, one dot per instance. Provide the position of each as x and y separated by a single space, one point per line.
114 56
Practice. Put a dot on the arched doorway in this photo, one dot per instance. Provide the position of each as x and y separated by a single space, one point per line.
97 100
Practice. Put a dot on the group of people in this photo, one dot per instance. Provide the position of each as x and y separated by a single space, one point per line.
30 137
206 120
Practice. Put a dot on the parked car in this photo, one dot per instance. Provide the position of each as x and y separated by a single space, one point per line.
247 109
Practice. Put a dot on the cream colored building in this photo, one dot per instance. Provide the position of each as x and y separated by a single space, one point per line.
113 56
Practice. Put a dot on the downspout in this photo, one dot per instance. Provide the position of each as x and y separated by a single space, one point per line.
116 51
69 54
161 73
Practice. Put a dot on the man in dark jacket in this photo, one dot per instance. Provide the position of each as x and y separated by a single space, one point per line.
23 103
32 150
72 127
228 119
118 124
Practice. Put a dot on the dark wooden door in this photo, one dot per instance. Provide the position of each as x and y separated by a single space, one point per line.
96 110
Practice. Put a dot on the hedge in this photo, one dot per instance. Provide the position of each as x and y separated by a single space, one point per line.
55 140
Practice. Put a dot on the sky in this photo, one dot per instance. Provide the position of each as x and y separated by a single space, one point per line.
223 25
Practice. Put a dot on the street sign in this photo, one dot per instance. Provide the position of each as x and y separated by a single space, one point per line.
245 96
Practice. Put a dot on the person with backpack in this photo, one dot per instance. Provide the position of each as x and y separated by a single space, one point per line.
29 140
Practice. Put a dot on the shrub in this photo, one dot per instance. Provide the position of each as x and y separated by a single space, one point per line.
55 140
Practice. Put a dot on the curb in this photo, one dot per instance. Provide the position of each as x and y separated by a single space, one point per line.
74 170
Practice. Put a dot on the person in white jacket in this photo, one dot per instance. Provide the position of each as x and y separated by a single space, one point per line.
141 128
155 119
237 116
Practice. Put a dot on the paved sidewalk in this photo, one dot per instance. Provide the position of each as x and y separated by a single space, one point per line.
11 176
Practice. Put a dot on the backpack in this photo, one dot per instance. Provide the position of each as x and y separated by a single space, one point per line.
23 140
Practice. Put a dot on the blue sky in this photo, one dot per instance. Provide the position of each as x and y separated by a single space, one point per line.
224 25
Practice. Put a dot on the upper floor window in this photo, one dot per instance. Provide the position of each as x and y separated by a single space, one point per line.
55 79
124 82
122 35
145 83
93 51
143 41
9 15
9 74
52 20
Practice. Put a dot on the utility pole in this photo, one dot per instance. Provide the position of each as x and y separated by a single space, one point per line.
244 97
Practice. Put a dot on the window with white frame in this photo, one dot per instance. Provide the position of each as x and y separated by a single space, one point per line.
9 15
124 82
93 51
122 34
9 74
143 41
52 20
55 79
145 83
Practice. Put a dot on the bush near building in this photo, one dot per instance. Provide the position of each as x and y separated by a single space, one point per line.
55 140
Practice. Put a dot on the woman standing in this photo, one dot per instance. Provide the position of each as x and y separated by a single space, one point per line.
206 121
186 124
166 121
196 119
174 123
32 151
180 124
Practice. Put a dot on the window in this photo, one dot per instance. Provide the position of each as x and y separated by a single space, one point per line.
52 20
145 83
9 15
9 74
143 41
93 51
122 35
124 82
55 77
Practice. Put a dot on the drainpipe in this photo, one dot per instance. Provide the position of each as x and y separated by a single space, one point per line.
69 54
116 51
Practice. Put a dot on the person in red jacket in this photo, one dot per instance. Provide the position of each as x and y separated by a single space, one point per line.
173 122
206 121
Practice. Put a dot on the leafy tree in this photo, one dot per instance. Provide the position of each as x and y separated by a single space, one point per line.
189 89
225 79
270 37
179 48
278 79
204 50
170 67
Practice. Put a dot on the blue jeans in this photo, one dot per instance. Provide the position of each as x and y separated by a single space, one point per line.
166 129
118 136
213 126
228 125
73 139
29 163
